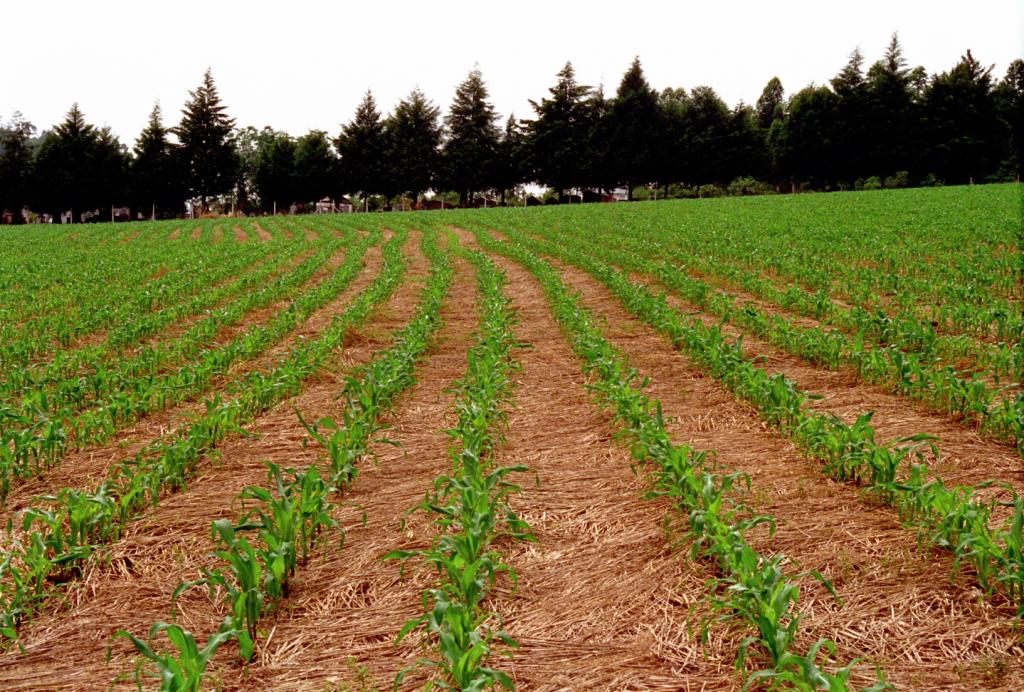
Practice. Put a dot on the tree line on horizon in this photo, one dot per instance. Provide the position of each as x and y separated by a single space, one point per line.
889 125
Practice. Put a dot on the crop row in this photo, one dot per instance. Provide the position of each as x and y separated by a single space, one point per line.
54 540
946 390
470 506
905 330
292 514
749 585
137 277
954 518
224 282
38 435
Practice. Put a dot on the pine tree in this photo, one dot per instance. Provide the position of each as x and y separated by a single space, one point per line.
414 143
155 179
208 156
64 176
558 137
1010 99
892 114
803 143
470 156
770 103
513 165
851 138
361 148
110 169
634 120
274 173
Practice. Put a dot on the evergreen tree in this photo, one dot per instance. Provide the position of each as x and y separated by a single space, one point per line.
966 137
851 138
471 153
64 176
560 134
803 143
770 104
361 148
513 163
111 164
314 167
208 155
892 114
707 125
414 141
596 167
634 117
674 155
16 166
744 149
155 177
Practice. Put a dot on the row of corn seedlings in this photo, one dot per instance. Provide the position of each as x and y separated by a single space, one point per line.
957 518
66 305
749 585
942 257
296 511
55 539
49 286
470 506
213 286
905 330
999 415
37 436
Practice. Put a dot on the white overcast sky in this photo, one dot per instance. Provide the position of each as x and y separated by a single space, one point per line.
301 65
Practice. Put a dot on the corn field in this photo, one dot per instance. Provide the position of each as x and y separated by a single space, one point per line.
744 443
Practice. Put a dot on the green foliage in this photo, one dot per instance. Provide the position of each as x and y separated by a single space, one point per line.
471 152
181 670
751 586
471 507
208 157
361 149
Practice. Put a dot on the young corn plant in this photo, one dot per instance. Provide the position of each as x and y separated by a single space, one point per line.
49 551
471 508
182 669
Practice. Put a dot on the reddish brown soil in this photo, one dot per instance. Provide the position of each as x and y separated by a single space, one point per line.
196 233
966 457
264 235
603 602
240 235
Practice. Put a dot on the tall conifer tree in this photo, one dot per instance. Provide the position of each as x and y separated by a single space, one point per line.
471 153
208 156
361 149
